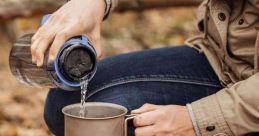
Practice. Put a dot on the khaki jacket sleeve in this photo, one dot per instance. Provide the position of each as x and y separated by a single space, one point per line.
231 111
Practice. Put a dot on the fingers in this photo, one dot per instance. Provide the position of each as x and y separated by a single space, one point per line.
38 49
40 43
95 39
33 50
41 49
98 48
145 119
145 131
60 38
145 108
58 42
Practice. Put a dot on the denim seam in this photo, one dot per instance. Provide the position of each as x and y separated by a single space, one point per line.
150 80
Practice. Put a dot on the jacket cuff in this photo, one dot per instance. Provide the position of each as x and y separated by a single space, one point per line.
209 117
193 119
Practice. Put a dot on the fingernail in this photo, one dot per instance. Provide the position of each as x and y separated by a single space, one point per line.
33 61
38 63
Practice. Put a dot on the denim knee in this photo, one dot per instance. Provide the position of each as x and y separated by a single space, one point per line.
52 115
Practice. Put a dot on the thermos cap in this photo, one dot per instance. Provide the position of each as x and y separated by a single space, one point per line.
76 62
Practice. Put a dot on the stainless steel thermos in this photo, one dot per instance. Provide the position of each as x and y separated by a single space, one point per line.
75 62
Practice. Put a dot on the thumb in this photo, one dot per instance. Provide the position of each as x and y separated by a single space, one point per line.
145 108
95 39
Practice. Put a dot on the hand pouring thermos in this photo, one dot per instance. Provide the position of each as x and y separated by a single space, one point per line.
75 62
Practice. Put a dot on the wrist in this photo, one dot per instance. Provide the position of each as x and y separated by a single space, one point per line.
105 7
99 9
183 121
102 6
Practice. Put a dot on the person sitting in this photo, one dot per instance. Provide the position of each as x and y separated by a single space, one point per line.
207 87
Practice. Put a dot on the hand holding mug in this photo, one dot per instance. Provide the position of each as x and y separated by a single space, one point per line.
156 120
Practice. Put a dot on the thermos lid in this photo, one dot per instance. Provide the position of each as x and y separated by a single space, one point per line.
76 63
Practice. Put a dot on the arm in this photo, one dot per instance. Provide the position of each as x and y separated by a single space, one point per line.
232 111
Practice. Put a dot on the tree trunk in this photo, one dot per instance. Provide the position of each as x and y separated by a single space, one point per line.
23 8
125 5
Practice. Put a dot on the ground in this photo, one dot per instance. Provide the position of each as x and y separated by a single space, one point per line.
21 107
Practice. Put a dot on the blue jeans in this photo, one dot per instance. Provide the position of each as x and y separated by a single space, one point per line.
176 75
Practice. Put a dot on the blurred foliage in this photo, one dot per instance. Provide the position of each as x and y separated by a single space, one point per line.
21 107
148 29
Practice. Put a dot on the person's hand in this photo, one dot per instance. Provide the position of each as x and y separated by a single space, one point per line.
154 120
77 17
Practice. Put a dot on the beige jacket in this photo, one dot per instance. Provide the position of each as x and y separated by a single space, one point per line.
231 44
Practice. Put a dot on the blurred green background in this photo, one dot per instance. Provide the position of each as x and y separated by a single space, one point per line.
21 107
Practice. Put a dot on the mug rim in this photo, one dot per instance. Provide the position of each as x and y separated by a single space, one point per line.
124 109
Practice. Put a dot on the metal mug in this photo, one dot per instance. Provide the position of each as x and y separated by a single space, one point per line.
101 119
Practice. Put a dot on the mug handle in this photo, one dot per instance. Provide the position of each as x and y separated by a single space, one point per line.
128 118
